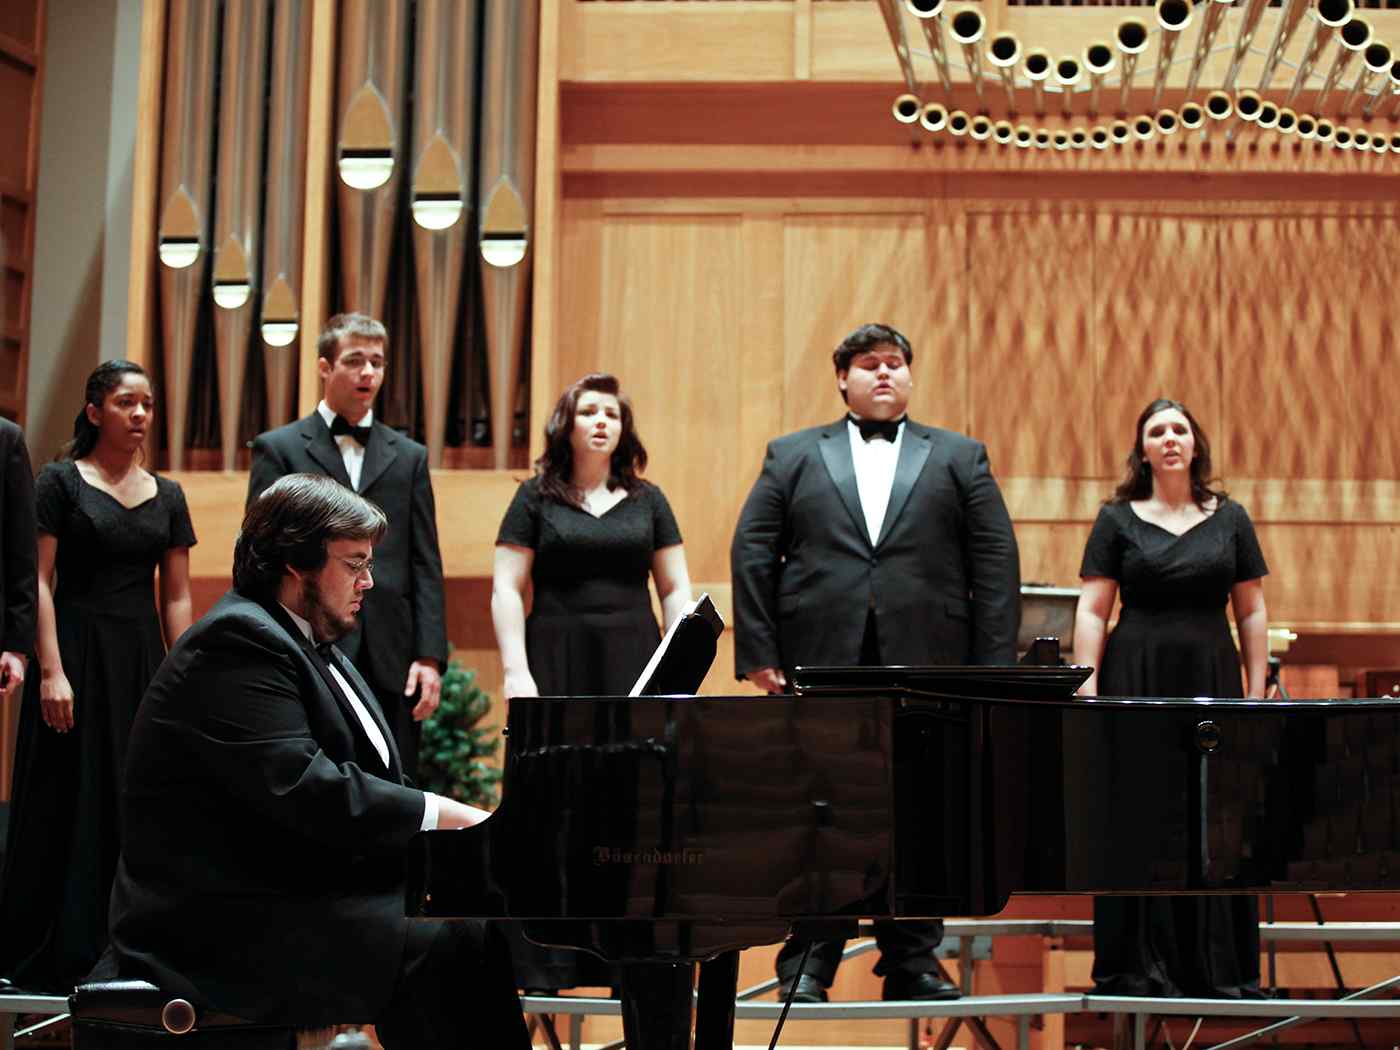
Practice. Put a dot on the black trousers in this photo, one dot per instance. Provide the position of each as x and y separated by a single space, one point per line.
456 990
905 947
398 712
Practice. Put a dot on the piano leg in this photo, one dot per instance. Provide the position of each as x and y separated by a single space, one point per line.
656 999
714 1010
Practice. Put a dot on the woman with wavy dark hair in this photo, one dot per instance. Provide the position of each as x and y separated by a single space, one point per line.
1177 551
105 525
586 531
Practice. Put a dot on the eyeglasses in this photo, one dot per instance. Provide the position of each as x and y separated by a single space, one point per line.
357 566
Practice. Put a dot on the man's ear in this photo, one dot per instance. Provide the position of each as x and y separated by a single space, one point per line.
323 368
841 380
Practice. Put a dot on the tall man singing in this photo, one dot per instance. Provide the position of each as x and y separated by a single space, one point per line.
401 644
262 869
873 540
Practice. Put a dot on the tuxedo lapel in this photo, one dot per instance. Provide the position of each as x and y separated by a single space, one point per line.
321 447
835 445
381 451
371 702
347 710
913 454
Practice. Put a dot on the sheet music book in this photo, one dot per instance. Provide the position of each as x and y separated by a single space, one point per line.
684 656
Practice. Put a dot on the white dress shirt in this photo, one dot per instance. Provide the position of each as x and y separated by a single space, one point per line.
351 451
370 726
875 463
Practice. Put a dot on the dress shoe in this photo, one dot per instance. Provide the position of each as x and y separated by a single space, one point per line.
809 990
919 987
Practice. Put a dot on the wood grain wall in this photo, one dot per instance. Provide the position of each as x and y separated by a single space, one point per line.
1040 326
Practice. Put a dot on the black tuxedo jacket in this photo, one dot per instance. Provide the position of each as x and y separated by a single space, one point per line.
18 550
262 861
943 577
402 617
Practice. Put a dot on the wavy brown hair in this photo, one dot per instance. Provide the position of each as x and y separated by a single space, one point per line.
1137 481
555 469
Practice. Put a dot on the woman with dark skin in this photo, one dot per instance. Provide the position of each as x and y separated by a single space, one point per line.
106 524
1177 551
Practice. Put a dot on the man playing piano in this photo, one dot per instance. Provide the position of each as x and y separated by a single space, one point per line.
262 872
873 540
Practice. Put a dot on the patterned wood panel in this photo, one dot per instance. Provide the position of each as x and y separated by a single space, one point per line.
1374 348
1287 302
1030 339
668 324
1156 328
843 270
1338 575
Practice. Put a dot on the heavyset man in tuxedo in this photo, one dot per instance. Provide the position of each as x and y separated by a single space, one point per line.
18 558
401 644
873 540
262 872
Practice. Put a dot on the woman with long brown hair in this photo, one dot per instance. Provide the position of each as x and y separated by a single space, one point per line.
586 532
105 525
1178 551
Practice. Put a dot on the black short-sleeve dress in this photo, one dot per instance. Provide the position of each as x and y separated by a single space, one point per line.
590 632
64 828
1173 639
591 628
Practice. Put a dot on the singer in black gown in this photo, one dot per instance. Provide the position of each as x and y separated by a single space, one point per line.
584 536
1172 639
65 829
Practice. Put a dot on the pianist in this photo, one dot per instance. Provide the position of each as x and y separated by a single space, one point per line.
266 814
871 540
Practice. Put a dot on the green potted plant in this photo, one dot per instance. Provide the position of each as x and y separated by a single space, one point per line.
453 753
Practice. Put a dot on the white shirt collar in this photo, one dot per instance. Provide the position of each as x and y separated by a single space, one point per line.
329 416
303 625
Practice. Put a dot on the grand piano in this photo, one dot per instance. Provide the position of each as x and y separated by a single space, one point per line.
662 832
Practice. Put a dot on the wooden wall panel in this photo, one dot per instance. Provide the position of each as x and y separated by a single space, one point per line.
1374 351
668 324
1288 297
1030 339
1156 327
843 270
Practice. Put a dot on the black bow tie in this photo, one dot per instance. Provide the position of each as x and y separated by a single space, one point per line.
361 434
873 428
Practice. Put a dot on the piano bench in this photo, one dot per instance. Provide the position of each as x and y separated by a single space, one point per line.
136 1015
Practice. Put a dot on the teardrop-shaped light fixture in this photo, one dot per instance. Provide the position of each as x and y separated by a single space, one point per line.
437 187
279 313
366 155
504 237
179 244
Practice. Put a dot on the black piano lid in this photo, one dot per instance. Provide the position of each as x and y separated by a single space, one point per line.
1017 682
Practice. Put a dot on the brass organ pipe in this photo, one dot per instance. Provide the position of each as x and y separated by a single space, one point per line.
1004 52
906 108
967 27
1375 62
1067 73
1025 136
1167 122
895 26
958 122
1037 66
1219 107
1120 132
1144 127
1003 132
1173 16
934 117
1214 19
1099 137
1329 14
1353 37
1131 39
1247 106
1192 116
929 13
1099 62
1253 13
980 128
1392 82
1325 131
1290 17
1307 125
